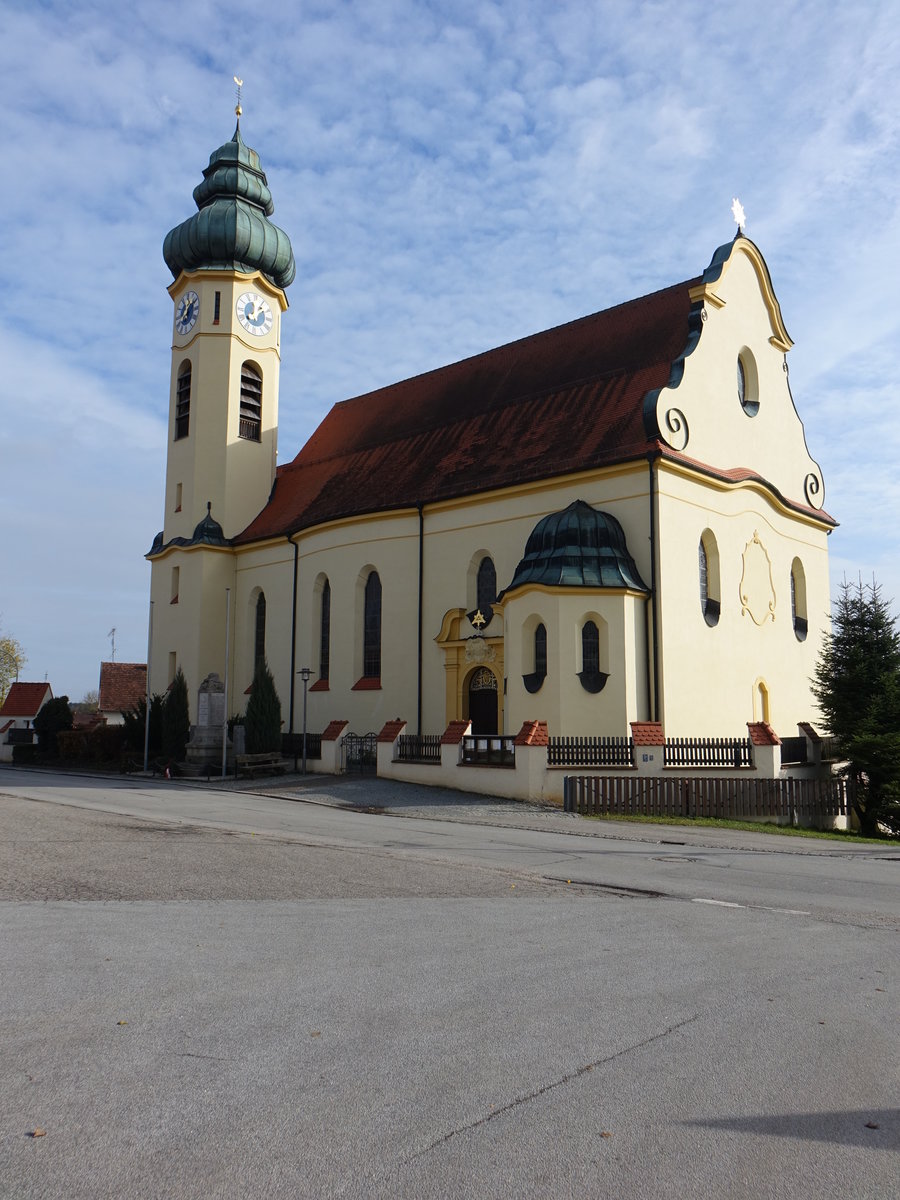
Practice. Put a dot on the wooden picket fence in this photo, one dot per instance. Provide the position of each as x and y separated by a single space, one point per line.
600 751
741 798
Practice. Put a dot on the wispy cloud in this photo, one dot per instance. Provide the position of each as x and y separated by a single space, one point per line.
451 178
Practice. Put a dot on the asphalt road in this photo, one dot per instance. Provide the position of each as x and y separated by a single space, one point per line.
212 993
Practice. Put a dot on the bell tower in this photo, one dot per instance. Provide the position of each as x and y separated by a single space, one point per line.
230 266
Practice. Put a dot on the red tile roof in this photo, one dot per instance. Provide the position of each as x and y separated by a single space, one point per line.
122 686
504 417
24 699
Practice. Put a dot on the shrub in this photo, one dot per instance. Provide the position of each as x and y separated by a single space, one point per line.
53 718
24 755
263 719
72 744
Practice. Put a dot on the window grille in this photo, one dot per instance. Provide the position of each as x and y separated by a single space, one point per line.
590 648
183 402
372 628
250 421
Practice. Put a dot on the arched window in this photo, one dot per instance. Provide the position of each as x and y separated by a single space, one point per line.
486 588
536 677
259 641
590 648
183 401
798 601
372 628
250 422
708 555
747 383
325 632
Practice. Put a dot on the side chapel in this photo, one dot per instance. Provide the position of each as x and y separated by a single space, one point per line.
614 520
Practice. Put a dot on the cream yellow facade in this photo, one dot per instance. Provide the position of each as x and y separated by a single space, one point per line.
714 524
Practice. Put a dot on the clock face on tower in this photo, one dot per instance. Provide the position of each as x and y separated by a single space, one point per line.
187 312
254 313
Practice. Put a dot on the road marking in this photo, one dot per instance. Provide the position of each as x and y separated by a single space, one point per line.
794 912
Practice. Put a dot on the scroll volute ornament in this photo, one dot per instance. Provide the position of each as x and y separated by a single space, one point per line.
757 587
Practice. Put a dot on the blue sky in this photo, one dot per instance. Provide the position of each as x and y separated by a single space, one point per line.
452 177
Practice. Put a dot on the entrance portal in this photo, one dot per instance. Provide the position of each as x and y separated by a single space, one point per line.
483 701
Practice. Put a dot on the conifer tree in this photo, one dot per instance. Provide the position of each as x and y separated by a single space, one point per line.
857 685
263 719
176 721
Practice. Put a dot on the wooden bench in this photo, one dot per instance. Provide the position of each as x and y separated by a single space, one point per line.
270 763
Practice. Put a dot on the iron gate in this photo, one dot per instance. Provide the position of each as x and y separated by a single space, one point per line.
359 753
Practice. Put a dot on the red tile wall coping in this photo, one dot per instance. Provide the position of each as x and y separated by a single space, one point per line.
391 730
647 733
533 733
454 733
811 733
762 734
321 685
368 683
333 730
24 699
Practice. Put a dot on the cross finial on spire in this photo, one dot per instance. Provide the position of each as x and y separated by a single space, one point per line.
237 108
740 217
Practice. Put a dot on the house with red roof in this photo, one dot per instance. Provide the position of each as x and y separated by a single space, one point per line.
122 687
22 704
616 520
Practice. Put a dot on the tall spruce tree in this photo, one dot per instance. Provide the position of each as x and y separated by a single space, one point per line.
176 721
857 684
263 719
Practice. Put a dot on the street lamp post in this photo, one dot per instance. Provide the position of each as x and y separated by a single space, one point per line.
304 673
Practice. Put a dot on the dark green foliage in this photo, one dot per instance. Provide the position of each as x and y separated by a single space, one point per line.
25 755
176 722
857 684
54 717
263 719
134 726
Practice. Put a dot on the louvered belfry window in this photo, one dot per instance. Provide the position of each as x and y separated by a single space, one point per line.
250 424
183 402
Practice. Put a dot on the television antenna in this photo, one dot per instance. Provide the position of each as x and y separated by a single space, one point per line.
112 637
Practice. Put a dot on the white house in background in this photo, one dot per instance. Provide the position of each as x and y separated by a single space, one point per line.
23 703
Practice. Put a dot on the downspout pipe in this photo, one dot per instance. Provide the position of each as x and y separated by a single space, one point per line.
290 538
420 619
653 670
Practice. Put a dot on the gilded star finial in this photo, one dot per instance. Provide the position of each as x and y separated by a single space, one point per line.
237 108
737 211
478 620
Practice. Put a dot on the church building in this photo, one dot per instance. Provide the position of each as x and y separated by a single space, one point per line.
615 520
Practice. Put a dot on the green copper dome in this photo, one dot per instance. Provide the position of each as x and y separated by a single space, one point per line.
578 547
232 229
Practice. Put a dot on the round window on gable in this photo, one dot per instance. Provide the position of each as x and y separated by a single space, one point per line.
747 383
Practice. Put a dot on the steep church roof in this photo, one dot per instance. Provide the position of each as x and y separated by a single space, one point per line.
564 400
231 228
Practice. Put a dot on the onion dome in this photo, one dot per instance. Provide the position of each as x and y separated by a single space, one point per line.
580 547
232 229
209 531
